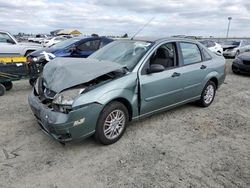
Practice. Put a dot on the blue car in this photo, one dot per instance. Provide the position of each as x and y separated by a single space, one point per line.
74 47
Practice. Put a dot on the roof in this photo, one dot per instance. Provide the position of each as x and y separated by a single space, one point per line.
159 39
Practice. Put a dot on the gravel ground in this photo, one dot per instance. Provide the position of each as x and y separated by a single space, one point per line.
184 147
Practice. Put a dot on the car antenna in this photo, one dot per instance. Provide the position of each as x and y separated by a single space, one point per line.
142 28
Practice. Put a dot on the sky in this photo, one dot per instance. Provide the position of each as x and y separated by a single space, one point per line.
117 17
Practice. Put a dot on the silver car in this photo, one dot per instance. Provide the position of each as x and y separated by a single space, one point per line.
234 48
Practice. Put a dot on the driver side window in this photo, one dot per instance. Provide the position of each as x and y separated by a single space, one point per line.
164 55
5 38
89 45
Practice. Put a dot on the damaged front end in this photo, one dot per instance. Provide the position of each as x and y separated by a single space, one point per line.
55 111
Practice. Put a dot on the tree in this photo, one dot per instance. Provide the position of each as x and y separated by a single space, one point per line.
125 35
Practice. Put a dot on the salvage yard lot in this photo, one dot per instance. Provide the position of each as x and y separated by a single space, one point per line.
185 147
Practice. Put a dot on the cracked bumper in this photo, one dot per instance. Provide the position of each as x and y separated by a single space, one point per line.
60 125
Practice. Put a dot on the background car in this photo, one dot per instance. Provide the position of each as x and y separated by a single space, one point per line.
52 40
74 47
38 38
234 48
241 64
213 46
125 80
9 46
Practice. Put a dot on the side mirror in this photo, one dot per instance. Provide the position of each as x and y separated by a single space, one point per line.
155 68
10 41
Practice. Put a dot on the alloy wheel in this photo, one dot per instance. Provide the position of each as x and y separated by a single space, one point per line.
209 94
114 124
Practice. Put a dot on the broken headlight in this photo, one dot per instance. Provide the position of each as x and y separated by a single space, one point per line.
67 97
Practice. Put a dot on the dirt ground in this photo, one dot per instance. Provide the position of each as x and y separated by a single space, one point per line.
185 147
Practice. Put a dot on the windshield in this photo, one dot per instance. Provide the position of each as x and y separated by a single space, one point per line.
124 52
235 43
65 43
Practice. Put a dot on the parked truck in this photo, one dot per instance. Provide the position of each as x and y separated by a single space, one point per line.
10 47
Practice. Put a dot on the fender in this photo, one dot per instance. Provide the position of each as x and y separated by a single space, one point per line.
213 74
130 95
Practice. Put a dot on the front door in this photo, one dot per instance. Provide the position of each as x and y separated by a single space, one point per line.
8 46
86 48
162 89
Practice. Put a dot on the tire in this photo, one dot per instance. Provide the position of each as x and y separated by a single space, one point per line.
108 132
32 81
28 52
2 90
207 98
8 85
235 71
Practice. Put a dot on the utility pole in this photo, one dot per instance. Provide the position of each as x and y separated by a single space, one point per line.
228 27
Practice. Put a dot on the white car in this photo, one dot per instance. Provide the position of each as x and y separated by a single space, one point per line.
212 46
9 46
51 41
38 38
232 48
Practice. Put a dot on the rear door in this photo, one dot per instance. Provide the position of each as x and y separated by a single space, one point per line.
194 70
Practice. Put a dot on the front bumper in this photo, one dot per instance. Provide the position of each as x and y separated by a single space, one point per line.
240 68
229 53
60 125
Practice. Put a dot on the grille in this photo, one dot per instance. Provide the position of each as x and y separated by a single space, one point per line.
246 62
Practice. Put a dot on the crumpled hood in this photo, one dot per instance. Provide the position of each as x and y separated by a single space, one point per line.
63 73
229 46
244 56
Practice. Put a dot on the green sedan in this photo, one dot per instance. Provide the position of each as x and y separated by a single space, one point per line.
126 80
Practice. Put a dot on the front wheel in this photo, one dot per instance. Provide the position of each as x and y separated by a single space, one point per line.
2 89
111 123
208 94
8 85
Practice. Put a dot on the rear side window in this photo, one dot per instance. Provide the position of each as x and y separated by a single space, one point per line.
190 52
206 55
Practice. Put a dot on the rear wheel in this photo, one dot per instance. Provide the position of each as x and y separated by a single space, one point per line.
208 94
111 123
8 85
2 89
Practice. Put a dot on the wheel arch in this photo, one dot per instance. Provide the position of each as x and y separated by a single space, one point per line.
126 103
212 76
215 80
28 51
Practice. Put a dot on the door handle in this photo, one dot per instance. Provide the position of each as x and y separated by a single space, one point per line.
203 66
175 74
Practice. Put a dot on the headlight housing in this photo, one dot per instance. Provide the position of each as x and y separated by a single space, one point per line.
67 97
